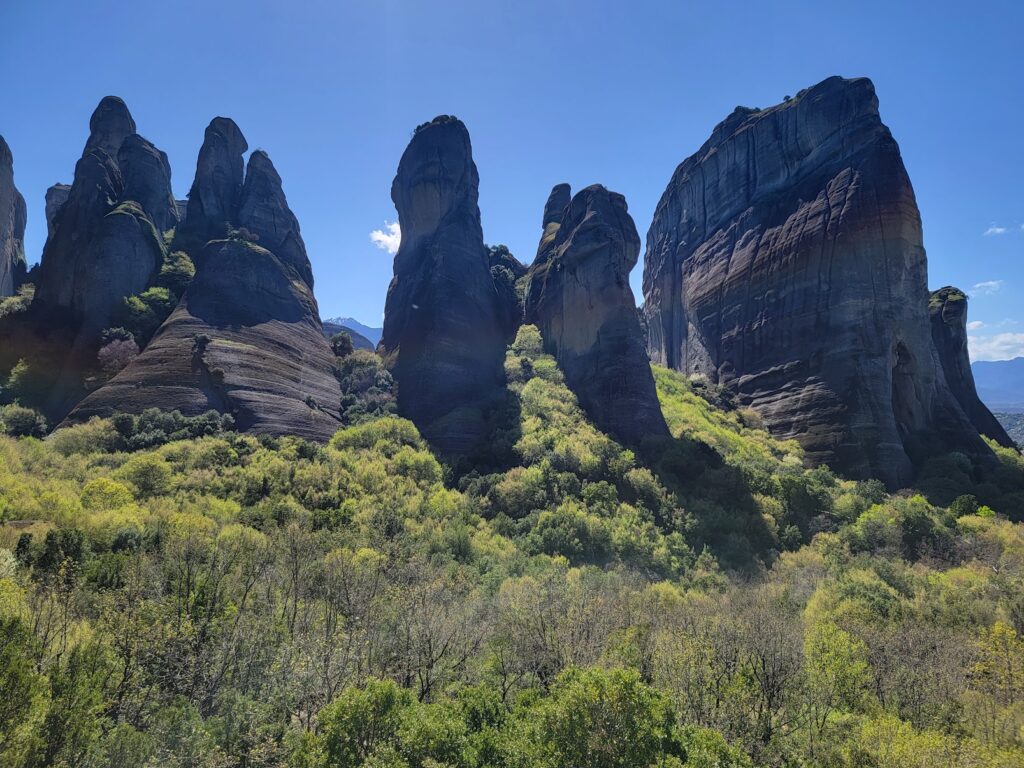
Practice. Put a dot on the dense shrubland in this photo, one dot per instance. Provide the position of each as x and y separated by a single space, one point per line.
175 594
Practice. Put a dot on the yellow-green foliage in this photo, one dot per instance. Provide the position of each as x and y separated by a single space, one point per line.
703 601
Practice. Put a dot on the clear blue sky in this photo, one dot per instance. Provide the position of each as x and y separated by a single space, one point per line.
610 92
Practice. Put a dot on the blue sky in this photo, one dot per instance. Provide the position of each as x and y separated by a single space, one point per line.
608 92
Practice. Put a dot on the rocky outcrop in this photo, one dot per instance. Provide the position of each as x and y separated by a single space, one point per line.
245 340
444 338
105 241
216 191
948 311
554 208
56 196
265 213
580 299
13 215
246 337
785 261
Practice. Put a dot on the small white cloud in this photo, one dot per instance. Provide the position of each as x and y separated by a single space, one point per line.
974 325
986 287
1002 346
995 230
387 239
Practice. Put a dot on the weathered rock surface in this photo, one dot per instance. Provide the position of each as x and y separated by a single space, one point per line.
246 340
105 241
56 196
264 211
13 216
246 337
554 208
216 191
146 175
785 261
444 339
580 299
948 311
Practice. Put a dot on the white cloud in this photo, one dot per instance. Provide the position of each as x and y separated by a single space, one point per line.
974 325
1002 346
995 230
387 239
986 287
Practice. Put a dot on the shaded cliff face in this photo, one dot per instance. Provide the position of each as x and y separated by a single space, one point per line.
246 337
217 189
13 215
785 261
56 196
105 237
554 208
947 308
579 297
264 211
443 339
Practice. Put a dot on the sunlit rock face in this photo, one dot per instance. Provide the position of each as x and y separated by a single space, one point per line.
785 261
947 308
580 299
13 216
444 329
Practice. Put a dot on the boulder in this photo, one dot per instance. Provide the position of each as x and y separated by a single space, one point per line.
554 208
444 335
785 261
948 311
146 175
580 299
13 215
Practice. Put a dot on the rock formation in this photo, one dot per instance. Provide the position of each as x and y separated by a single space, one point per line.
13 215
558 201
948 310
246 337
785 261
105 241
56 196
579 297
217 190
444 339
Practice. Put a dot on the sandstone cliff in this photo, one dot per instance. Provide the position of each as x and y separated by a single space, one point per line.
948 310
13 215
444 336
580 299
785 261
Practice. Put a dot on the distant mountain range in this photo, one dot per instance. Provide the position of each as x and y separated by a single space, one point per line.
1000 383
372 334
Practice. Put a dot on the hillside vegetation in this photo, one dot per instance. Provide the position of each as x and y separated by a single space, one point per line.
173 593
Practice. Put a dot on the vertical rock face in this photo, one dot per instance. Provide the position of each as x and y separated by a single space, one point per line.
443 336
105 241
13 215
56 196
948 311
558 200
785 261
579 297
216 192
246 337
264 211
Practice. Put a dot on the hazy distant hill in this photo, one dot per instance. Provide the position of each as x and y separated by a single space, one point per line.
1000 383
373 334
